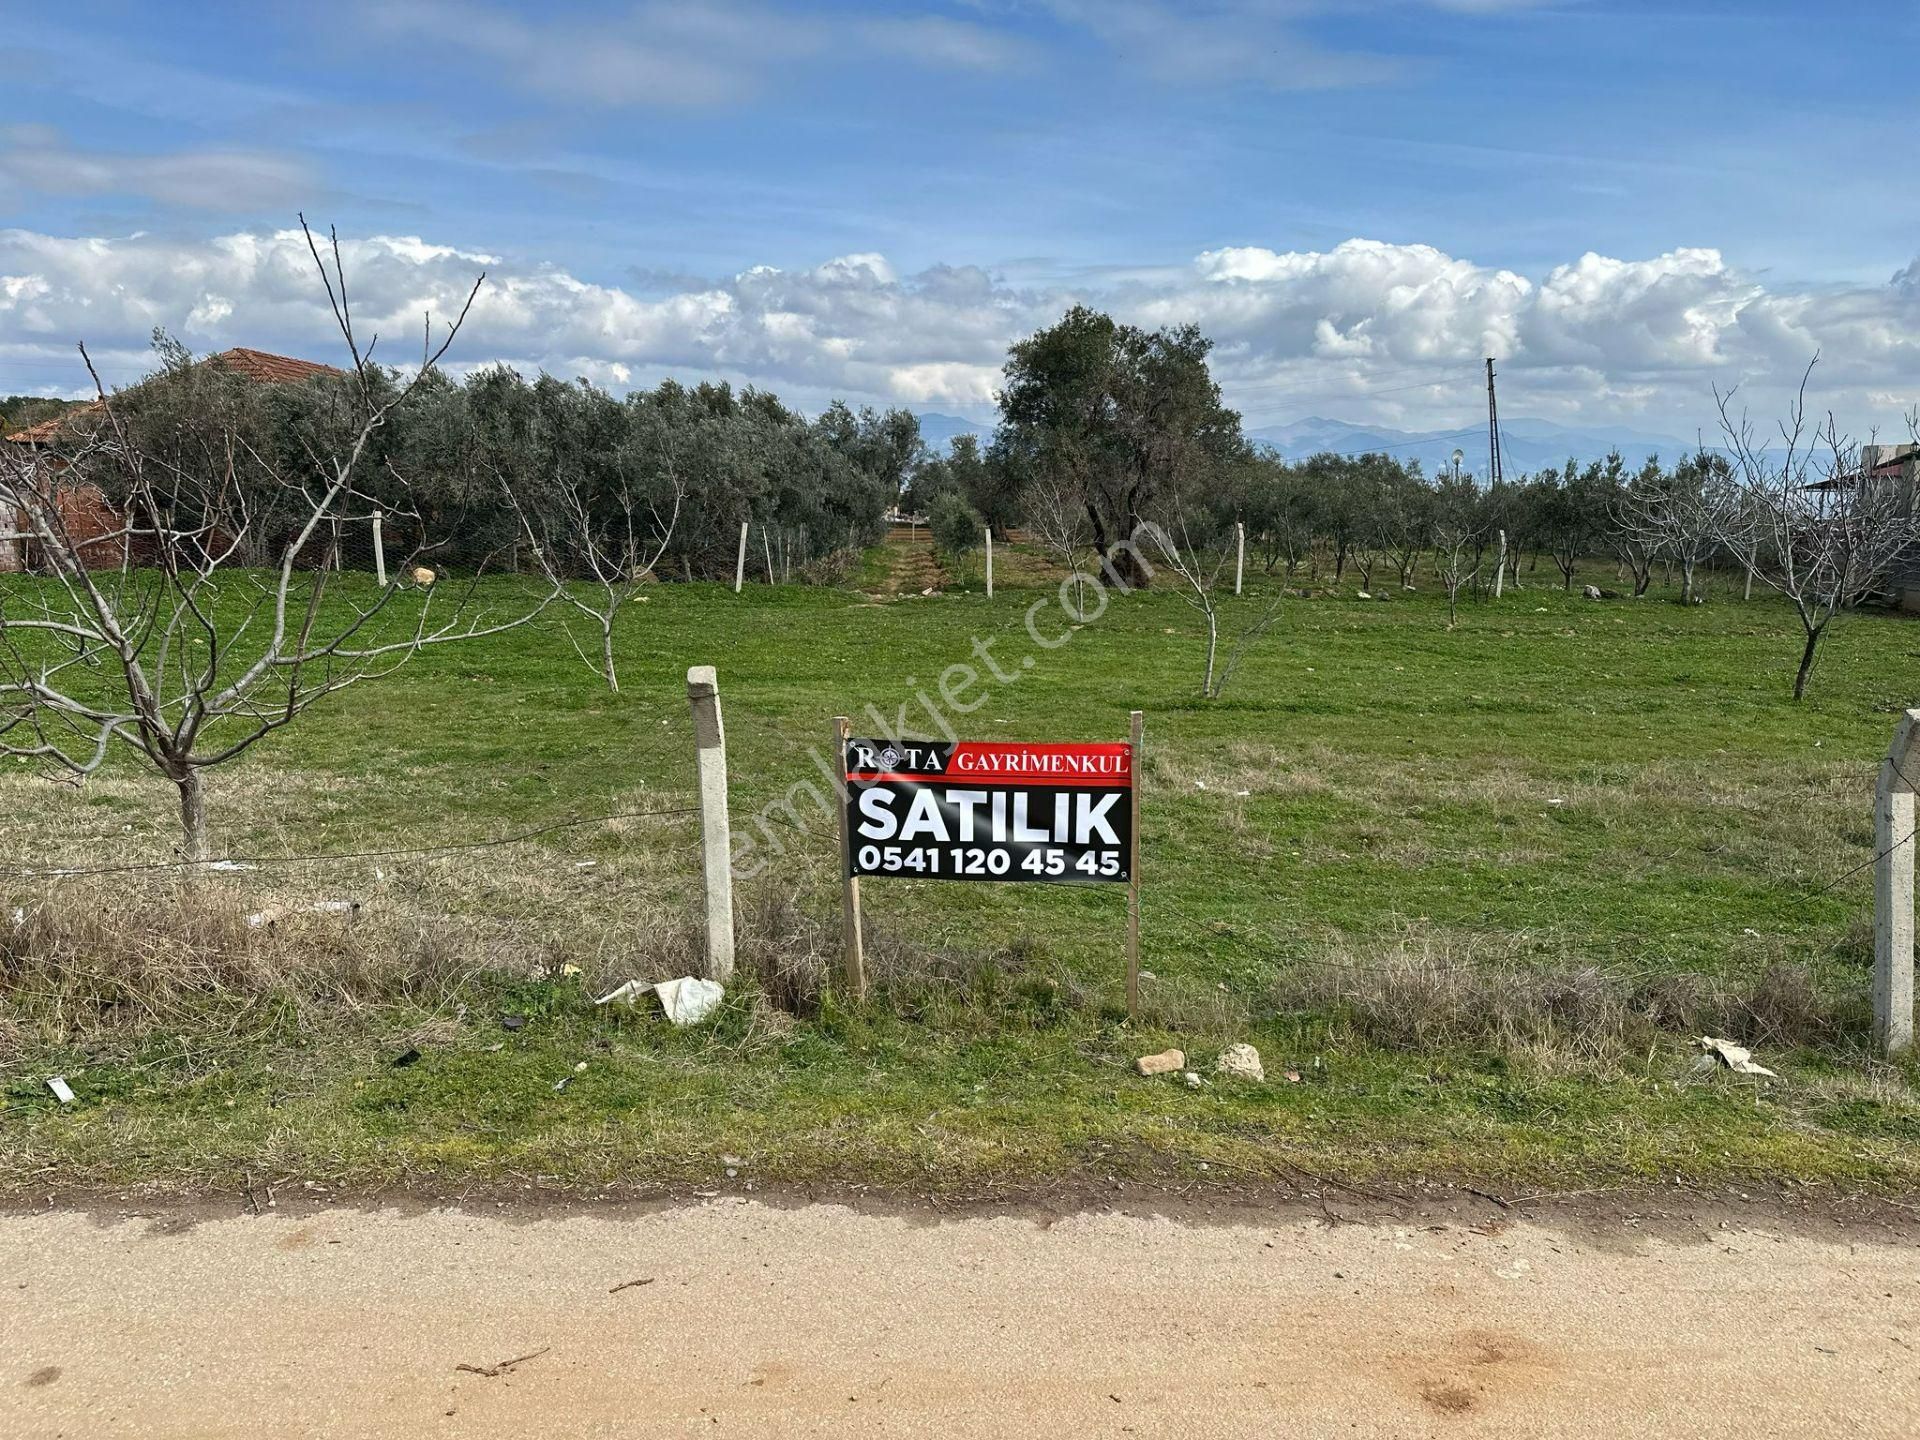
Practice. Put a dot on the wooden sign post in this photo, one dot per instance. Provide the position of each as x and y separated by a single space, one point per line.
853 971
1135 730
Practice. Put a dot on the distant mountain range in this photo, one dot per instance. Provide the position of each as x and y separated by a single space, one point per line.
938 430
1530 444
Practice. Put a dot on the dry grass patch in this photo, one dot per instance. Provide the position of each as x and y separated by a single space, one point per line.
1426 991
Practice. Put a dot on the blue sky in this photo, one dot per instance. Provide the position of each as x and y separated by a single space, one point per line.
872 200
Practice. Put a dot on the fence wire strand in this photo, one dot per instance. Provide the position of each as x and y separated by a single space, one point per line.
42 871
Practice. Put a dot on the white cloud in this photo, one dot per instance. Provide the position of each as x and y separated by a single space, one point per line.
659 54
1366 330
39 158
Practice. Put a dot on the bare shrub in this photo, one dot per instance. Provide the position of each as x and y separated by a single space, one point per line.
786 951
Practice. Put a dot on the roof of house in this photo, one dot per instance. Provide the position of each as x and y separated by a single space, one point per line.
270 369
260 366
46 430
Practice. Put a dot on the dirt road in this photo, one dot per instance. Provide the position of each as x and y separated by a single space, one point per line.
735 1318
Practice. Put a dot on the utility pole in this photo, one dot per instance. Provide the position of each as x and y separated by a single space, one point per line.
1493 430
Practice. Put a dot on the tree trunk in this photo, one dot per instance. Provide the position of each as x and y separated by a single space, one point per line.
193 814
606 656
1213 645
1806 665
1686 582
1749 594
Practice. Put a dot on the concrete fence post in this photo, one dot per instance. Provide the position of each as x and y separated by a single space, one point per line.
1893 844
710 740
1239 552
740 565
379 551
989 562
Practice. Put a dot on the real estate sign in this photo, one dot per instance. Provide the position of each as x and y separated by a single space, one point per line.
989 810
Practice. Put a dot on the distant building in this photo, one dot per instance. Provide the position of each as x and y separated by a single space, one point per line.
96 527
1891 465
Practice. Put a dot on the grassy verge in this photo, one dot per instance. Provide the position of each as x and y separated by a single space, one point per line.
1475 888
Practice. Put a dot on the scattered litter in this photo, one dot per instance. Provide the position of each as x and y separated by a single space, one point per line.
503 1367
513 1022
1165 1063
62 1091
580 1068
629 992
586 864
19 916
400 1062
629 1284
1361 595
1148 975
231 865
274 914
1242 1061
1556 802
1736 1058
686 1001
1194 1082
562 1083
1199 784
496 1047
569 970
1242 794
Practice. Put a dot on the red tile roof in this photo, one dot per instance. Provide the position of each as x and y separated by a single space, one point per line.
270 369
257 365
46 430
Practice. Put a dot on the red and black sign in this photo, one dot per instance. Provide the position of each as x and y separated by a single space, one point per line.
987 810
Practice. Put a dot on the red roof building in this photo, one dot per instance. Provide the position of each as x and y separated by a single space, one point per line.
91 521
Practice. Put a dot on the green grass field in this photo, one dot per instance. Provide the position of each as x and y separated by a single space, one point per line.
1473 887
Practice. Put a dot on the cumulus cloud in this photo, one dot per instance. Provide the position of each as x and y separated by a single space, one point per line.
1366 330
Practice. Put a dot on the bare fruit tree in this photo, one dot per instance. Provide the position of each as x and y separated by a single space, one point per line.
1459 538
609 540
1832 530
146 633
1200 556
1056 513
1682 517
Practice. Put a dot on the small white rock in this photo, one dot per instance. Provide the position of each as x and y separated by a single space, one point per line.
1242 1061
